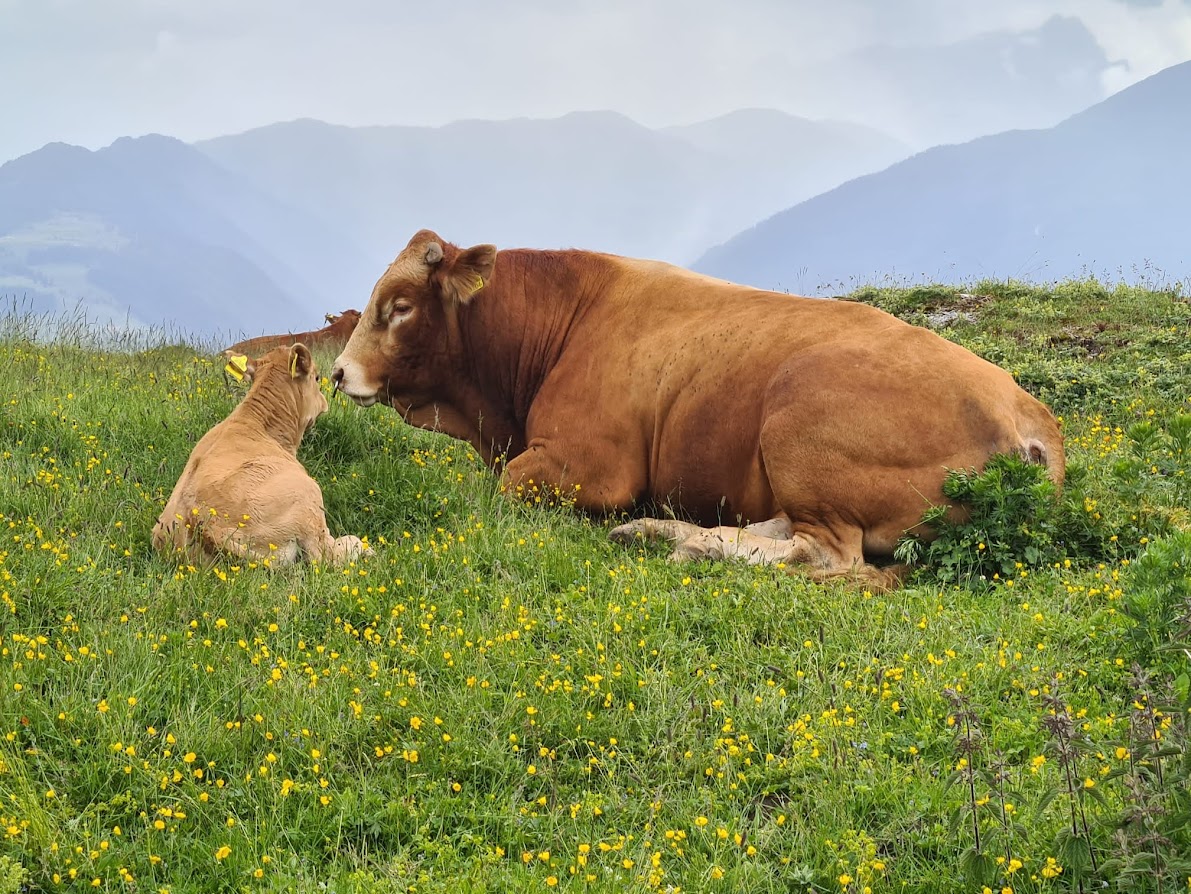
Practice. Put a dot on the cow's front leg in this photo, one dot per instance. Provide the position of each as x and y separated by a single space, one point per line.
592 477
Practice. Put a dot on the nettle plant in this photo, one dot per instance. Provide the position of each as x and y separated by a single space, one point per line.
1157 468
1139 837
1017 520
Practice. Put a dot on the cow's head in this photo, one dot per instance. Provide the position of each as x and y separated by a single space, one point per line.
344 322
396 353
288 378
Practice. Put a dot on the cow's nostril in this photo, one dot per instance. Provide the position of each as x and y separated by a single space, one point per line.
337 376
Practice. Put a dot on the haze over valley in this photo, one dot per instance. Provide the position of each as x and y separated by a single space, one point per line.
966 148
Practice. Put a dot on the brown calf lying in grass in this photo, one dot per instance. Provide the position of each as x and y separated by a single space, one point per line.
243 491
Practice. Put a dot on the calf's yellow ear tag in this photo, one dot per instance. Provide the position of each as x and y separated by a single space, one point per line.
477 284
236 365
293 366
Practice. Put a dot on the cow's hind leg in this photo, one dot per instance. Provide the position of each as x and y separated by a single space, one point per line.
735 543
654 529
827 554
819 553
778 528
765 542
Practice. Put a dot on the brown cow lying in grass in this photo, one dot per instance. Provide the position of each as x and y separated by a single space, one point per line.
243 491
332 337
823 429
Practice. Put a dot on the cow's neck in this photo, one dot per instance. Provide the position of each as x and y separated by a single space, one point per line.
273 413
513 333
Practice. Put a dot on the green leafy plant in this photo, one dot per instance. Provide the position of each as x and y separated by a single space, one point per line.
1074 842
12 876
1158 599
1151 835
1016 519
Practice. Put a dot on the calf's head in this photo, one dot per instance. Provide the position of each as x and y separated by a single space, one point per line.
400 350
287 379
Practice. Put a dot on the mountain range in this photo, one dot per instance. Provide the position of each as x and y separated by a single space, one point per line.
1103 193
270 229
274 227
151 231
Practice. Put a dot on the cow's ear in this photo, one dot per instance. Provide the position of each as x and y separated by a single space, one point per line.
300 361
469 272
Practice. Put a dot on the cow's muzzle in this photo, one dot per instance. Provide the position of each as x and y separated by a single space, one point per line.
337 379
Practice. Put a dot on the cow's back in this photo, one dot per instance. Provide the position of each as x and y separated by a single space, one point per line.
699 366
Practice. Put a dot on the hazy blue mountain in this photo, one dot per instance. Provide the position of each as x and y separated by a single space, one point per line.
151 231
272 228
767 160
1104 192
591 179
933 94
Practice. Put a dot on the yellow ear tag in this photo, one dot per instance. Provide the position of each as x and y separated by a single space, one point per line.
478 284
330 318
236 365
293 366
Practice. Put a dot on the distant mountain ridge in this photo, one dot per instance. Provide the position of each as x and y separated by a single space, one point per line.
270 229
150 231
1103 192
983 84
592 179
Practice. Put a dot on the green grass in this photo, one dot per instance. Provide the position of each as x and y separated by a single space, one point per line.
500 699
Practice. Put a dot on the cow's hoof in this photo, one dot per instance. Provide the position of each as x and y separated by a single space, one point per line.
690 550
629 533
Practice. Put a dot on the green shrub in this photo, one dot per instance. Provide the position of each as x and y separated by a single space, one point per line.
1017 519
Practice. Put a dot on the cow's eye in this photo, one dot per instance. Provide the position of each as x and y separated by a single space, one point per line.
400 311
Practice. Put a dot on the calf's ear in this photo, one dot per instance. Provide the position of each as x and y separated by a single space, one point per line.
300 361
469 271
239 367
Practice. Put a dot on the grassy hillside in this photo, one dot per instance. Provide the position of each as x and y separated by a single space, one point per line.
501 700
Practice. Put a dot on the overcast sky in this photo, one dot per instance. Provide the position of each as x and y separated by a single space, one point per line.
89 71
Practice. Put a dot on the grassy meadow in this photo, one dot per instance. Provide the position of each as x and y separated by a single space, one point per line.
501 700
